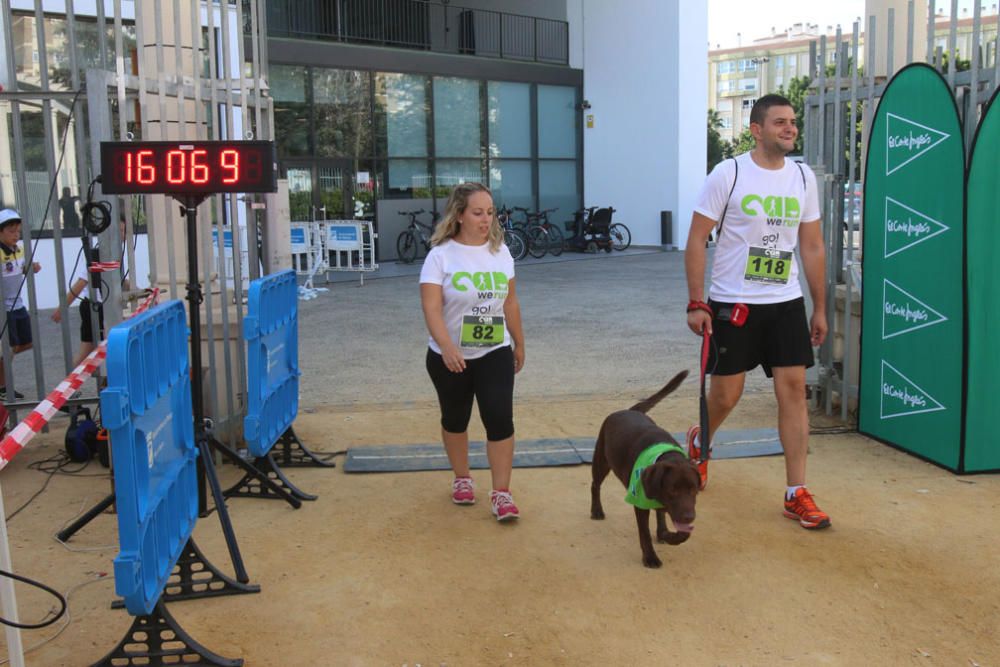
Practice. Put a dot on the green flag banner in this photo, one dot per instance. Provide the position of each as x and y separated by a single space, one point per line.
982 443
912 292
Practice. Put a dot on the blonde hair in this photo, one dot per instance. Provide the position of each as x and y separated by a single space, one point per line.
458 201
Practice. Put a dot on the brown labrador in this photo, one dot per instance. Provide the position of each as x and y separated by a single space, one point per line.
671 481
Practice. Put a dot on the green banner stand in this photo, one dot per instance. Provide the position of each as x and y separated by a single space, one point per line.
912 293
981 452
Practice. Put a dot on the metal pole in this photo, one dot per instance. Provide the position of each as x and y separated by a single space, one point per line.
846 364
890 29
194 319
972 110
8 601
930 32
910 16
952 36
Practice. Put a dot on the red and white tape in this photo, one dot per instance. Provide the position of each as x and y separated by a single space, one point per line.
44 411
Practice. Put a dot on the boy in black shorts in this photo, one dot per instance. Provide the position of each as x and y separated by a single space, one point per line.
14 270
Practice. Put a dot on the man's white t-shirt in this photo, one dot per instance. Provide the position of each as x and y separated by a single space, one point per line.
474 283
755 252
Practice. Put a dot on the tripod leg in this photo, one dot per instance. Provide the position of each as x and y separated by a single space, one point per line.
91 514
220 506
261 483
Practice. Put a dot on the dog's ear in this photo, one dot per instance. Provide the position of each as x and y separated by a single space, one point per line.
652 479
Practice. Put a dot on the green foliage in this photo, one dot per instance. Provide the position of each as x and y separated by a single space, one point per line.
743 143
718 150
961 64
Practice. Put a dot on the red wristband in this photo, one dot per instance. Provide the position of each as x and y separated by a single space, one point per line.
700 305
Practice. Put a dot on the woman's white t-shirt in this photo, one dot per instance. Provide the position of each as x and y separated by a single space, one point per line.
474 283
755 254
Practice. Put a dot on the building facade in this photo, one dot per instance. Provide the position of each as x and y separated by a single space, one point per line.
738 76
382 108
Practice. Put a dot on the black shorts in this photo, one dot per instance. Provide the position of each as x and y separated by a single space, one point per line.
19 327
86 331
489 379
774 334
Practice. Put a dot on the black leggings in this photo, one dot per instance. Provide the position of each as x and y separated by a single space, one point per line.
490 379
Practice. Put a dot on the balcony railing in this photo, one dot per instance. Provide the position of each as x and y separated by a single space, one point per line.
428 26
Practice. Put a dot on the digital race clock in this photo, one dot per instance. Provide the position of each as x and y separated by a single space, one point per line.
187 167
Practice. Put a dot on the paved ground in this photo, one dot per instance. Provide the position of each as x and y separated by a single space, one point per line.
384 570
594 324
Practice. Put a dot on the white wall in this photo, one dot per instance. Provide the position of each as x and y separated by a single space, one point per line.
645 76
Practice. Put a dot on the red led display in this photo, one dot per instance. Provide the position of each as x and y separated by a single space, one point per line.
187 167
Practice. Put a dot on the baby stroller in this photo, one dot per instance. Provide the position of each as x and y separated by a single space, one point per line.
590 230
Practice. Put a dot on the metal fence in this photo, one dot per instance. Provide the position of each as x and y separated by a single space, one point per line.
842 99
152 70
418 24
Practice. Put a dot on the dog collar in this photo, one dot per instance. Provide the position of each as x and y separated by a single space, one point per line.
636 493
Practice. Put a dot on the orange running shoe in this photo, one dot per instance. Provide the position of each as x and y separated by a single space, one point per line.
803 508
694 453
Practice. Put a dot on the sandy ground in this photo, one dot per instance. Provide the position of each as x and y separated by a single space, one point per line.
384 570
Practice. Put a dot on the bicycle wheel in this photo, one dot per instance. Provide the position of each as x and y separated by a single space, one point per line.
538 242
406 246
621 237
516 243
555 240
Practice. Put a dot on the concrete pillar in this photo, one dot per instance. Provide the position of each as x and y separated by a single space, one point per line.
169 122
880 10
644 158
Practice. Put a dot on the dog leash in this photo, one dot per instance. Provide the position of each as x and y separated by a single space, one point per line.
703 402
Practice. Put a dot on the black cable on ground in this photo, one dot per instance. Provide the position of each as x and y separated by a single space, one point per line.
36 584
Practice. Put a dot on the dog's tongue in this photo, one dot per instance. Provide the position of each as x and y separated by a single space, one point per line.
684 527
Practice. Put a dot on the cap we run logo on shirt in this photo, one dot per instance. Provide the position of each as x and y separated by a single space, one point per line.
778 210
489 284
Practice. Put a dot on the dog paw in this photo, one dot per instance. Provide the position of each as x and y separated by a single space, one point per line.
597 514
652 562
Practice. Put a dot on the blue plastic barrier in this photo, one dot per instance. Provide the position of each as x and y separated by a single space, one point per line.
271 329
146 407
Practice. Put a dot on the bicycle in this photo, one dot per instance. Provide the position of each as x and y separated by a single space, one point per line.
515 239
621 237
543 236
416 231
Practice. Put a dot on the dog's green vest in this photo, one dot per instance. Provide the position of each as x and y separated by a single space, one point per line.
636 494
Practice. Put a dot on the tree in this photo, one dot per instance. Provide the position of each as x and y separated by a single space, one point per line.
718 150
961 64
743 143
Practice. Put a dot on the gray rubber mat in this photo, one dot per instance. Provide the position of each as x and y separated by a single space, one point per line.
540 453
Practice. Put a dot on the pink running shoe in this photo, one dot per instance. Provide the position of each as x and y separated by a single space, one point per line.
462 492
503 506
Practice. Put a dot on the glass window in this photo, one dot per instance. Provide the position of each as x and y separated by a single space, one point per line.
557 119
401 115
27 55
557 188
343 115
511 183
450 173
457 117
291 109
509 119
408 178
300 197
